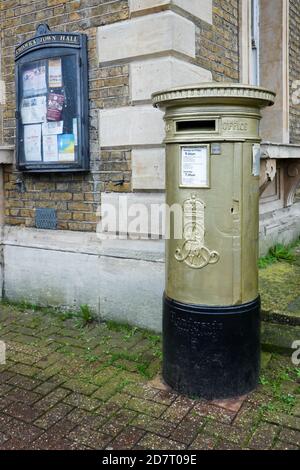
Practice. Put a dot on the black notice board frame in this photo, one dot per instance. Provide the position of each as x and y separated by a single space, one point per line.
43 46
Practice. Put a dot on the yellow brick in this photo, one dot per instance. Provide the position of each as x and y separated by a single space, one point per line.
79 216
61 196
79 206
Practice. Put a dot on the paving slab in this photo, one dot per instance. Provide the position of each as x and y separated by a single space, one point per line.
116 398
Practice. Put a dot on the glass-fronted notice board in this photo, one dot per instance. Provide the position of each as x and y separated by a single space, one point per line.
52 102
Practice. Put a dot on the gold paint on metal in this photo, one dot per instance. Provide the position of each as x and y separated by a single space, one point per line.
227 114
193 252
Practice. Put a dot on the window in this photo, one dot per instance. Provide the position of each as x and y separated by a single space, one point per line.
250 42
255 72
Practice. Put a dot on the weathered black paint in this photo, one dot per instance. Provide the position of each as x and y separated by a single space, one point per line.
211 352
45 37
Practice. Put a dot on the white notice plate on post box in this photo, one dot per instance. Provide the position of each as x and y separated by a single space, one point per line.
256 159
194 166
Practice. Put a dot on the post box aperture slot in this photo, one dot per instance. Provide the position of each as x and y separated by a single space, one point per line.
200 125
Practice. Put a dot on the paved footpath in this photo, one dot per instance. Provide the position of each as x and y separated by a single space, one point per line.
69 386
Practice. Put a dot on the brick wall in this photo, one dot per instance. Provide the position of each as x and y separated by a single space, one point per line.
294 64
218 44
74 196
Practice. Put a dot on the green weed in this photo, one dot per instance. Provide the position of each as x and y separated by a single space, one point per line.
277 253
86 314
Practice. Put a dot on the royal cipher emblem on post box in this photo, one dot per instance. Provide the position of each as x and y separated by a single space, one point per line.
193 252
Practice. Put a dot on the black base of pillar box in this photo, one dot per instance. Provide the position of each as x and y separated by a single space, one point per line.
211 352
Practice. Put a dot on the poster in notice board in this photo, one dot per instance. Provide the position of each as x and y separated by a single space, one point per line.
33 110
55 106
50 148
66 147
34 81
55 73
32 142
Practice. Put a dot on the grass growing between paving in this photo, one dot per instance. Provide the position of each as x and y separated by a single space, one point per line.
274 404
279 280
277 253
78 336
102 373
281 382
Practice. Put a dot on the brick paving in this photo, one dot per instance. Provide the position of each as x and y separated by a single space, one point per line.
69 386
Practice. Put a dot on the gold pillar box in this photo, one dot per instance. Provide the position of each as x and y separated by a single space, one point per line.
211 305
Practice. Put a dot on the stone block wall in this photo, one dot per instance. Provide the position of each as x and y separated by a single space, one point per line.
135 47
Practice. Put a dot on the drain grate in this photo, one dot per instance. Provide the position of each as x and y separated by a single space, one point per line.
46 218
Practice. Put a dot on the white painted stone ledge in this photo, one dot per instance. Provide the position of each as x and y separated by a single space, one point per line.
84 243
275 150
7 154
279 226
